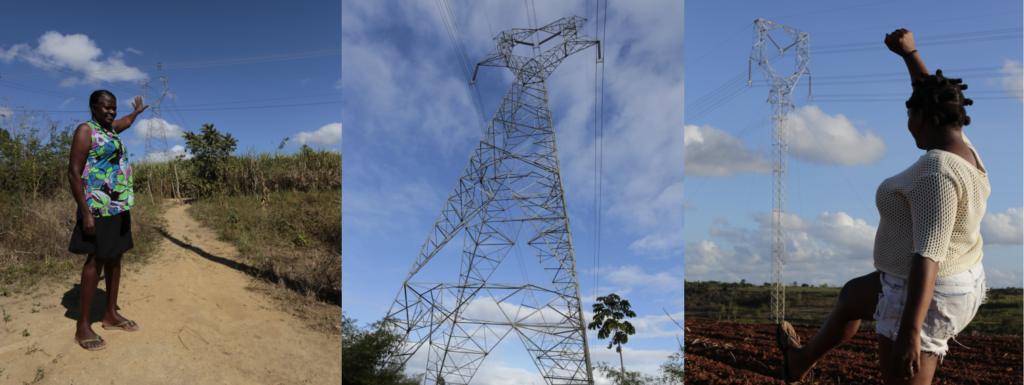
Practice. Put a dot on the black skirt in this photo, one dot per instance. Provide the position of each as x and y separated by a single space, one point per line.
113 236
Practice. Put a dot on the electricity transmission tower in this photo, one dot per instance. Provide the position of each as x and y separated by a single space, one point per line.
509 201
156 136
781 98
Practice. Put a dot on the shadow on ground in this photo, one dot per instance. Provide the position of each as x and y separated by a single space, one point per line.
71 302
327 295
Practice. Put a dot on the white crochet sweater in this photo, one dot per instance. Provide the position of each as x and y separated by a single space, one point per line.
933 208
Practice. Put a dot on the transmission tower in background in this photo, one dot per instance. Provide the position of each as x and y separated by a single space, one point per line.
156 138
156 135
509 199
781 98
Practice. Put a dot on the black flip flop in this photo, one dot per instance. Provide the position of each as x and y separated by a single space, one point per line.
781 337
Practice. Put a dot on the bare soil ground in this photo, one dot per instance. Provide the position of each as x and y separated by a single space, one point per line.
738 353
202 321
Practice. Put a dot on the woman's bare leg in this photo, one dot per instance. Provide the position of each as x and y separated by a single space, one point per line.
929 362
112 270
857 301
90 277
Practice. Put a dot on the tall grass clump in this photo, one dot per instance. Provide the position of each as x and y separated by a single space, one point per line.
214 170
37 207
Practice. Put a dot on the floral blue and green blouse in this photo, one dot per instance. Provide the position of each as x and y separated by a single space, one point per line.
107 175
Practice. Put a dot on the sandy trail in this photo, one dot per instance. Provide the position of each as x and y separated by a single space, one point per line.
198 325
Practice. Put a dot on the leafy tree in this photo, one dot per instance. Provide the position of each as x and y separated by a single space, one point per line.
671 373
609 312
210 150
364 351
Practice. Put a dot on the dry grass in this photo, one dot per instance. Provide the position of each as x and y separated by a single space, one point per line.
248 174
293 240
34 242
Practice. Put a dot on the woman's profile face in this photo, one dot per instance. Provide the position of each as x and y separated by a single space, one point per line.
105 111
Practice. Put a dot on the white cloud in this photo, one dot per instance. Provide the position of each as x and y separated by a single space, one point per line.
69 82
172 153
171 131
5 112
496 370
134 51
999 229
634 276
717 153
76 52
813 136
822 138
1013 79
831 249
338 84
1000 278
327 135
304 81
66 102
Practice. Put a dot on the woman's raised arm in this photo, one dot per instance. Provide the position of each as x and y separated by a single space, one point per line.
125 122
901 42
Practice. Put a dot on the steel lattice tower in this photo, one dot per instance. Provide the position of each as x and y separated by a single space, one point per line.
511 190
156 138
781 98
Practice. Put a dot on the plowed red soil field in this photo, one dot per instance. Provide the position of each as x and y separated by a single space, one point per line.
735 353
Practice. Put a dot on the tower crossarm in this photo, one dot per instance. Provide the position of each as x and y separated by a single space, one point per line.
573 41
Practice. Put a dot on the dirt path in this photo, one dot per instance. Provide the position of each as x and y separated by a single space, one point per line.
199 325
734 353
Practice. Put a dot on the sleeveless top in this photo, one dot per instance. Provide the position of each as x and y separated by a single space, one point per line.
933 208
107 175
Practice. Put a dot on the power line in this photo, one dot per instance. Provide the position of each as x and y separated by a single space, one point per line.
830 10
263 100
600 179
231 60
957 38
1017 12
217 109
716 47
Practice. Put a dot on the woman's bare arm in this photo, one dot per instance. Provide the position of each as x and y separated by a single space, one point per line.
125 122
79 154
901 42
920 289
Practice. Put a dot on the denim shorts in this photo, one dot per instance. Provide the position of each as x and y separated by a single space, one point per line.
954 304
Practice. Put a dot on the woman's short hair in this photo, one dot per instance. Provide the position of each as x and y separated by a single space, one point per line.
98 95
941 99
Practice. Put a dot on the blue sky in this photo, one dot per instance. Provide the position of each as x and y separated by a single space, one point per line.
412 126
847 139
219 56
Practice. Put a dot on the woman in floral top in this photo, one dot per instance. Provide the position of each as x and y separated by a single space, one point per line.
101 183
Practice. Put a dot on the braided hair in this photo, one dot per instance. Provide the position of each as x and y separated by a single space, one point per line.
942 100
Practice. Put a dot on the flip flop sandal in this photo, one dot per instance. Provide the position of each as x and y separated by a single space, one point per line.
97 339
781 337
121 327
